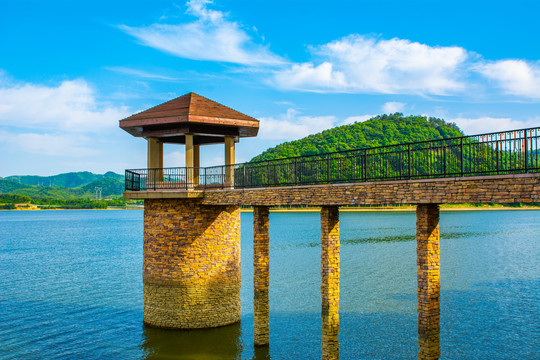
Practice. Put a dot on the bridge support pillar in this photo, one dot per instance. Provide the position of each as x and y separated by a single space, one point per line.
261 275
191 271
330 281
428 275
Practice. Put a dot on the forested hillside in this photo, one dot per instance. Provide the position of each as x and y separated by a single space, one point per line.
68 180
110 186
378 131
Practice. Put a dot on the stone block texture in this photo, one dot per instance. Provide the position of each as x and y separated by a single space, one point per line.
261 276
428 274
330 281
191 266
480 189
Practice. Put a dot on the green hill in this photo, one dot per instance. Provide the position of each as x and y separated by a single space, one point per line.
378 131
7 186
111 186
67 180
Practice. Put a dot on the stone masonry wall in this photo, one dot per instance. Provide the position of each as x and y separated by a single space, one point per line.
191 269
428 274
487 189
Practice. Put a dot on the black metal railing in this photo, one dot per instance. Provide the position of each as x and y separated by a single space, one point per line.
507 152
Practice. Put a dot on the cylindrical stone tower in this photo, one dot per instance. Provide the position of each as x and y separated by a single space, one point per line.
191 268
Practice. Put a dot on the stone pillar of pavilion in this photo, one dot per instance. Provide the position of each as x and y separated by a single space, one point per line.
191 262
155 160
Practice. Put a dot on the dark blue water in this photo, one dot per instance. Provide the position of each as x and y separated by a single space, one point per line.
71 288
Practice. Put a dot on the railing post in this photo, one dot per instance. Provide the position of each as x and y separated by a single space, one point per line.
444 157
526 151
409 160
461 145
268 172
497 156
365 165
295 171
328 169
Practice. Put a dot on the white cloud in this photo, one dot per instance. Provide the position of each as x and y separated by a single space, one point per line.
174 159
482 125
210 37
70 106
359 63
393 107
309 77
291 126
142 73
516 77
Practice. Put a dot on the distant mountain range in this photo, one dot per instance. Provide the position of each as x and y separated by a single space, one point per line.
64 186
68 180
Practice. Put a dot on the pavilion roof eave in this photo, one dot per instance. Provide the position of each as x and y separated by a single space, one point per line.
126 123
197 140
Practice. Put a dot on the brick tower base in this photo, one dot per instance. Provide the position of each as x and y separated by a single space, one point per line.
191 270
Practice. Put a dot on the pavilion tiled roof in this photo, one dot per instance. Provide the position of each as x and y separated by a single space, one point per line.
190 114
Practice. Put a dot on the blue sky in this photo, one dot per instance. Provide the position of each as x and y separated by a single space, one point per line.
70 70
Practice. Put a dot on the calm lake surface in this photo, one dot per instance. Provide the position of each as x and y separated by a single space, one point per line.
71 288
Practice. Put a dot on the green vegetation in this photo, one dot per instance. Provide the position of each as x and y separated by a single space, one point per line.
54 197
7 186
111 187
67 180
381 130
14 199
9 202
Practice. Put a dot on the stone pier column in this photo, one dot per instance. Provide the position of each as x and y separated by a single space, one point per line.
428 274
191 265
261 275
330 281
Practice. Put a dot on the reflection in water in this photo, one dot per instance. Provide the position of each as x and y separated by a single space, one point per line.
391 238
379 239
262 353
330 330
429 339
216 343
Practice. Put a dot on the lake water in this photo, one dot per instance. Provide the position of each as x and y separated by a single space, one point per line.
71 288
